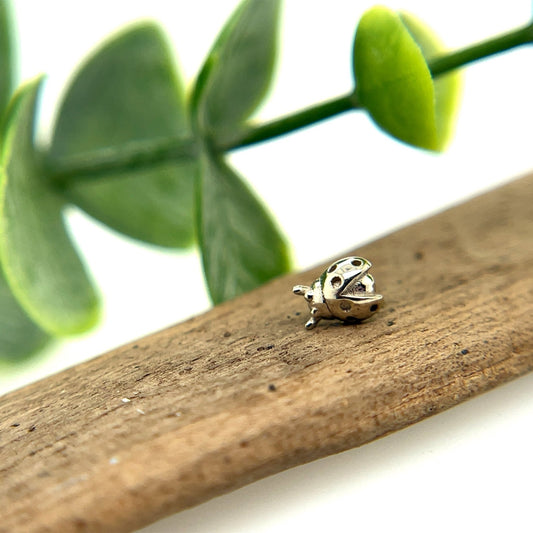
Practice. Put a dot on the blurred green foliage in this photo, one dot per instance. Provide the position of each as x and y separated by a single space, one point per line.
131 151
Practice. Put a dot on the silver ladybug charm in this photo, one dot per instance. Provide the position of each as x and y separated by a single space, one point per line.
344 291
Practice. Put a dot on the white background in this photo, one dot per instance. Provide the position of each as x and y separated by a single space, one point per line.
468 469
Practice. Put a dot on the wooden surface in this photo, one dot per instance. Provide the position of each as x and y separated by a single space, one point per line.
244 391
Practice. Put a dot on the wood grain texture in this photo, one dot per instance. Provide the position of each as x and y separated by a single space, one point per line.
244 391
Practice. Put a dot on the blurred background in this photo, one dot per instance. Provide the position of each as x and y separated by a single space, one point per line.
468 468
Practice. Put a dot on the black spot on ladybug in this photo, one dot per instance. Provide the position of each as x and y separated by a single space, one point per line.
336 282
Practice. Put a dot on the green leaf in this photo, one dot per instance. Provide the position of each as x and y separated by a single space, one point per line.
447 87
393 81
238 70
19 336
128 91
240 244
39 260
6 57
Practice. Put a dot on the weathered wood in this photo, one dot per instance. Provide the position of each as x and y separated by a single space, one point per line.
244 391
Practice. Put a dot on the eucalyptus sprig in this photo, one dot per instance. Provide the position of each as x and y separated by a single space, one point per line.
132 151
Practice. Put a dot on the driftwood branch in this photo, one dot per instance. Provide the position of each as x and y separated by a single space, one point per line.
244 391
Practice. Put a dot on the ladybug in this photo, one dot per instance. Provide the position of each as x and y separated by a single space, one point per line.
345 291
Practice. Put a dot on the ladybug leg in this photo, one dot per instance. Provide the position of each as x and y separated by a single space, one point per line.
312 322
317 314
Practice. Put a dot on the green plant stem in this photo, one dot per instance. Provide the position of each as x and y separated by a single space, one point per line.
117 160
294 122
482 50
113 160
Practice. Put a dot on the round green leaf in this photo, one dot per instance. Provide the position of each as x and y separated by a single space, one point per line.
19 335
39 260
128 92
393 81
447 87
240 244
238 70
